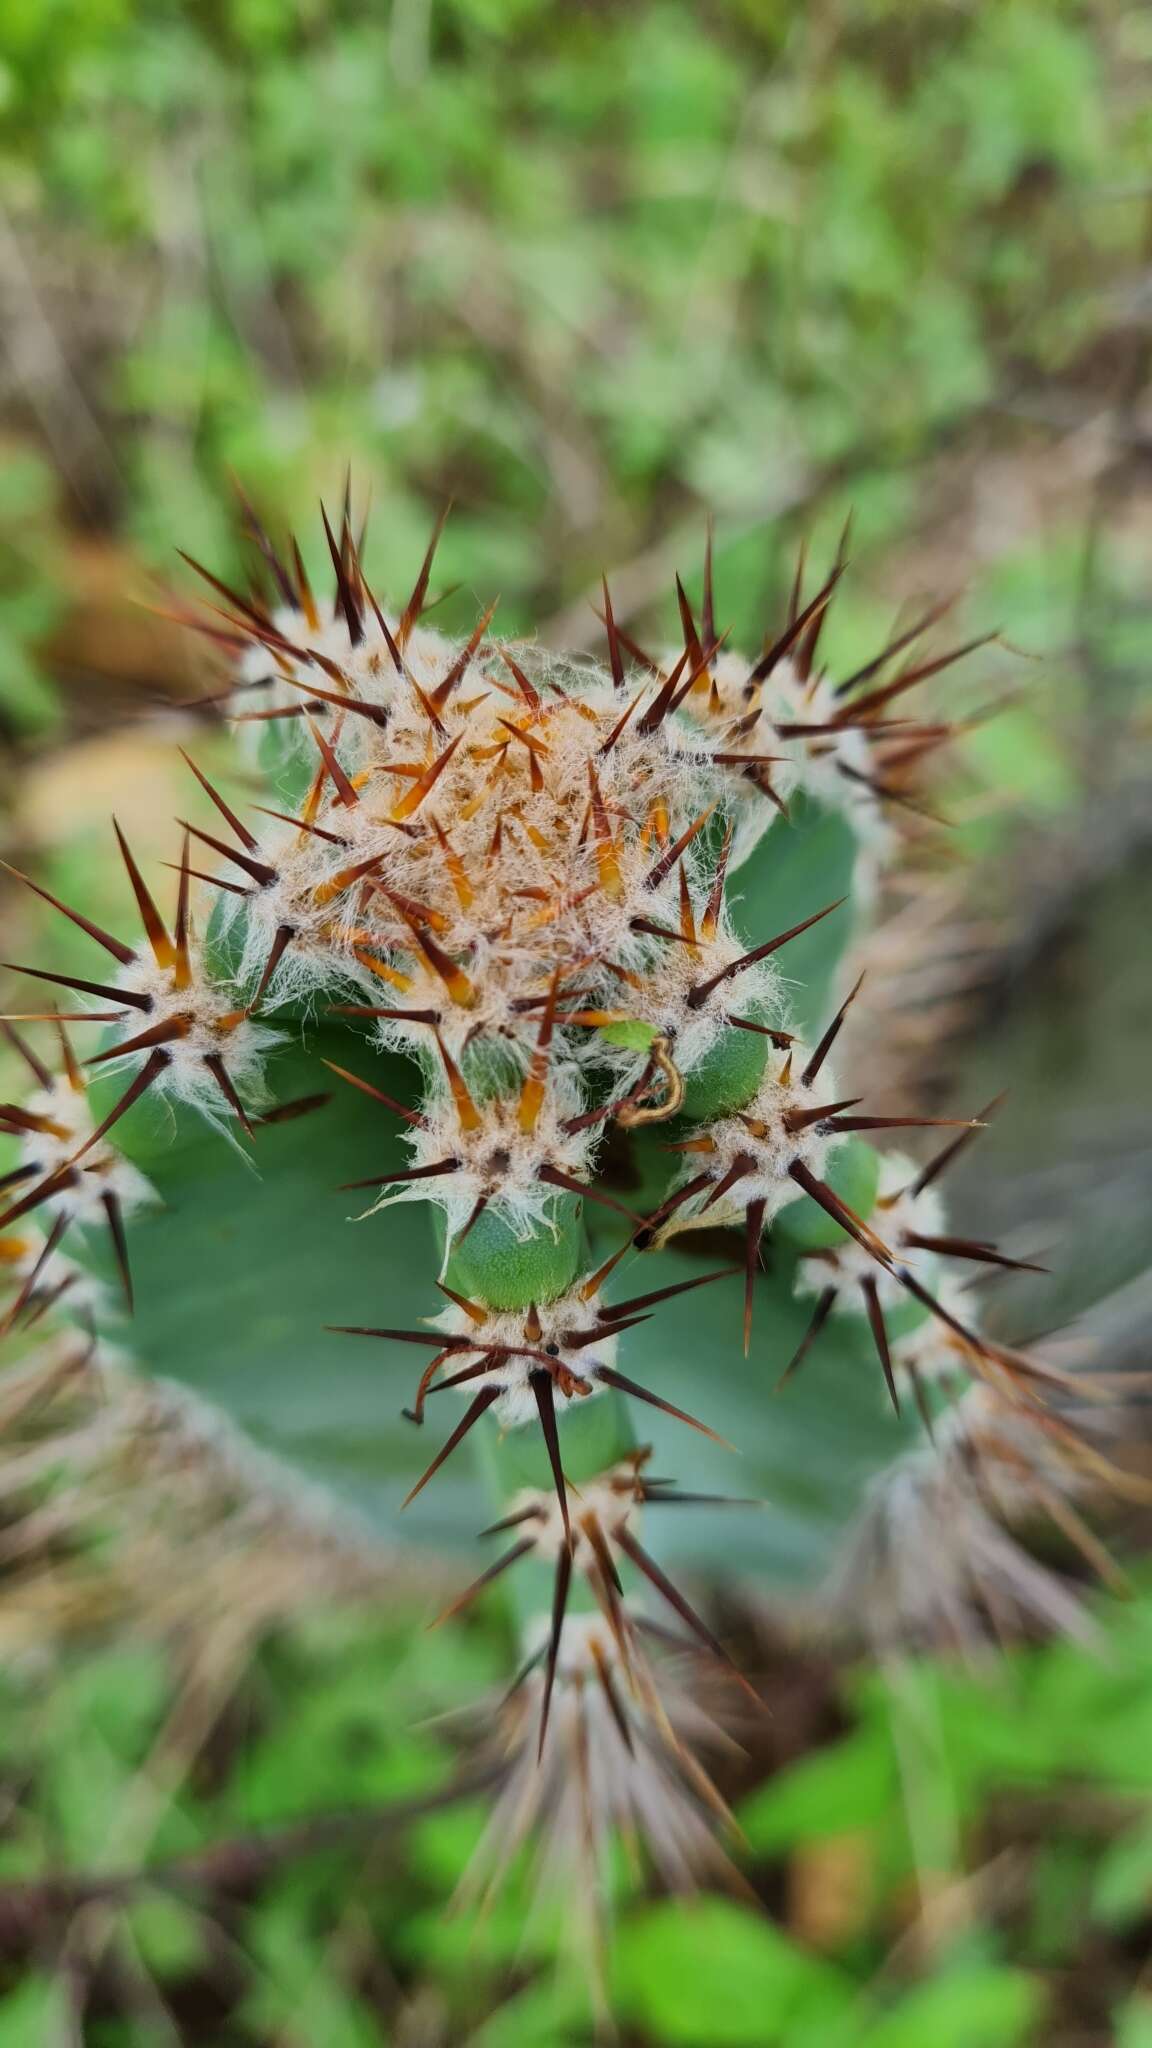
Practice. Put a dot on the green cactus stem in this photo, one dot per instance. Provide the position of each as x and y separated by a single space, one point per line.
554 951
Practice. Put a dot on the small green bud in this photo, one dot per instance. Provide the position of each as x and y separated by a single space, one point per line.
728 1076
496 1268
630 1032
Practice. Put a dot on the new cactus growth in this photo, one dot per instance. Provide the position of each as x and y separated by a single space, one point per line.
508 939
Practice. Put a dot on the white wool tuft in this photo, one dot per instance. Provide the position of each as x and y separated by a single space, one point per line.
102 1170
518 1353
758 1138
899 1212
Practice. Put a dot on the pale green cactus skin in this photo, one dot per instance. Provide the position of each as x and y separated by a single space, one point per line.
250 1266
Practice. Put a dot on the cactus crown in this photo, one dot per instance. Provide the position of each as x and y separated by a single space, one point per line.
494 892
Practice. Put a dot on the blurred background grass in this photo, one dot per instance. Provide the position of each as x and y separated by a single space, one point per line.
595 272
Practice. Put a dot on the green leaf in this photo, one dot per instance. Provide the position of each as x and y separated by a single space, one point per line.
1122 1888
27 700
1134 2023
1017 754
978 2007
853 1784
299 1993
552 2013
351 1757
167 1934
703 1973
40 2010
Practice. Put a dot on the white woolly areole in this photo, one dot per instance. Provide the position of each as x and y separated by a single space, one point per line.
572 1368
608 1503
263 678
211 1024
898 1212
496 1158
582 1638
304 900
742 716
758 1138
693 1030
59 1278
102 1170
932 1350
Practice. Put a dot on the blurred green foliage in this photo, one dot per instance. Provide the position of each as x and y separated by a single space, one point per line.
588 270
30 597
940 1789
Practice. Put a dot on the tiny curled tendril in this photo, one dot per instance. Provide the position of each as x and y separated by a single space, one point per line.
636 1111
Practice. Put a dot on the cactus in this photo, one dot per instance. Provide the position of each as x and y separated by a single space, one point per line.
541 962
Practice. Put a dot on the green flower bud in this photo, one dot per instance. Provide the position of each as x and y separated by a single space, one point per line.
496 1268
